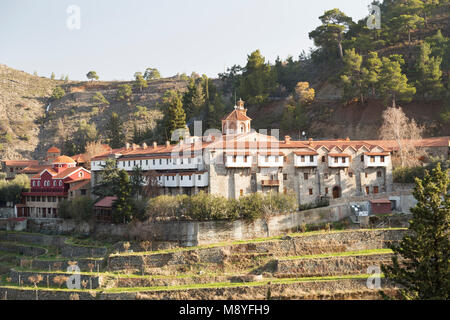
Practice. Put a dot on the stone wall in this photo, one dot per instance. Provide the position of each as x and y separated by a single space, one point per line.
191 233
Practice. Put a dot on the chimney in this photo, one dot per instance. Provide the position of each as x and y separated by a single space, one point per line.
287 139
127 146
167 143
347 139
144 146
134 146
155 145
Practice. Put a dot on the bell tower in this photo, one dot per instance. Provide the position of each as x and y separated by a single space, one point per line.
237 122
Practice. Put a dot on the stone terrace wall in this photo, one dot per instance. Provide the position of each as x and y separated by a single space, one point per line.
191 233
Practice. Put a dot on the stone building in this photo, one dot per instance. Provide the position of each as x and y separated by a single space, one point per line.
240 161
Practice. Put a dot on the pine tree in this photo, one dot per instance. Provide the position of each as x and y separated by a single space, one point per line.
371 72
140 83
351 76
175 117
193 98
115 132
109 180
429 72
330 34
124 92
257 81
92 75
425 273
123 207
137 181
393 83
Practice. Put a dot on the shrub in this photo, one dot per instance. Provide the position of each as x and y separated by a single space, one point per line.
58 93
80 209
205 207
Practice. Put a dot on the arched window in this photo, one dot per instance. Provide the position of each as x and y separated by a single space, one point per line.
60 183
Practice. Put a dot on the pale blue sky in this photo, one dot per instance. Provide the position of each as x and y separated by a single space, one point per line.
118 38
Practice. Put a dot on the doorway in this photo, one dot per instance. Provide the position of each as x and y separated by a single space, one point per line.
336 192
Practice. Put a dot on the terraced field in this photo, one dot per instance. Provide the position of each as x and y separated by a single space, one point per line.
314 265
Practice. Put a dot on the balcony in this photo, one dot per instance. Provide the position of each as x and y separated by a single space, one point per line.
374 160
305 159
270 183
238 160
339 160
271 160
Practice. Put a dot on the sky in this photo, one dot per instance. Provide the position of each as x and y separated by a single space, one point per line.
117 38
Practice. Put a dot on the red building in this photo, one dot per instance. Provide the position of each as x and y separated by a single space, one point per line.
49 187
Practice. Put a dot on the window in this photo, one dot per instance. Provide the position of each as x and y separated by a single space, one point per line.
11 169
344 159
54 183
199 177
367 190
366 175
350 174
362 158
39 183
335 160
241 192
302 158
375 189
182 177
34 183
323 158
326 190
190 178
311 158
146 162
154 162
129 163
60 183
234 158
160 161
372 159
285 177
173 178
378 174
382 158
310 192
325 175
305 176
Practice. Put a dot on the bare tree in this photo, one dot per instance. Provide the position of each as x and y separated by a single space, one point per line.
152 188
92 149
405 132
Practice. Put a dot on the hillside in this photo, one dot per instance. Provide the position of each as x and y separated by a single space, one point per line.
27 130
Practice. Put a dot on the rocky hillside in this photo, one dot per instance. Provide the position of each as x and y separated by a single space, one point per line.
30 124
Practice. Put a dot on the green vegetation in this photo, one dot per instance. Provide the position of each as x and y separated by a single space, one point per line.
124 92
58 93
114 131
140 83
175 116
11 190
408 174
99 100
204 207
151 74
341 254
80 209
426 272
92 75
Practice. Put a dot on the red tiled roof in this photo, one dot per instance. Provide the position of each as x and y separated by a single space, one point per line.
339 155
380 201
106 202
68 172
80 184
21 162
63 159
377 153
237 114
54 150
35 169
305 153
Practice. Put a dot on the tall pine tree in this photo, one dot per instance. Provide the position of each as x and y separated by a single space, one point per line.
429 72
115 132
175 117
425 271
